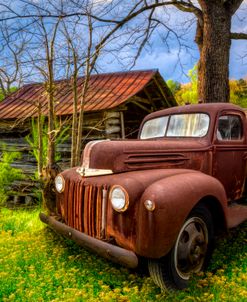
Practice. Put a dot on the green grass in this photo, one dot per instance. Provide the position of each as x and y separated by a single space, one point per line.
38 265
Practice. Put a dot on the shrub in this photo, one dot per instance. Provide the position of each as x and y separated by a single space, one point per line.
7 173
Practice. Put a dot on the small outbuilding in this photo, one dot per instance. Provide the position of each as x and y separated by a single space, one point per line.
114 107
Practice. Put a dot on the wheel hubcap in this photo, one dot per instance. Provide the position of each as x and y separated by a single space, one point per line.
191 247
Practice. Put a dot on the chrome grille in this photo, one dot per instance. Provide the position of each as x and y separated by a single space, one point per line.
84 207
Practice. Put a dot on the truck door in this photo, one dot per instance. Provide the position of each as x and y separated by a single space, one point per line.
229 161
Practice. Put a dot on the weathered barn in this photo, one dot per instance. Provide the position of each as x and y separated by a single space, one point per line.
114 106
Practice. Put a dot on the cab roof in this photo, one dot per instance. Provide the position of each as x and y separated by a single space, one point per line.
209 108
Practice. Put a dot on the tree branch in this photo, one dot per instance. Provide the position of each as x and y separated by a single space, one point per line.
233 5
189 7
239 36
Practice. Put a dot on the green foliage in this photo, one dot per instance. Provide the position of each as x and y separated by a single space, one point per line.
1 95
7 173
38 265
12 89
238 92
33 139
61 137
188 92
174 86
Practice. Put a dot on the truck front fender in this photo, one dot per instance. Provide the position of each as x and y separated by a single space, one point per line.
174 197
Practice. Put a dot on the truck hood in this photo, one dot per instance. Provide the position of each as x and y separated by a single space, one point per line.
130 155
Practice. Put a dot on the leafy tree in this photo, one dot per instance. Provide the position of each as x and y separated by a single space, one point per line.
238 92
2 94
189 92
174 86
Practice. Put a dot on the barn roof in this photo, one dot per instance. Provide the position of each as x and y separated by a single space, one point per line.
105 91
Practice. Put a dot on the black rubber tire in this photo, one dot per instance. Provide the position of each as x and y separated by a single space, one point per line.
166 272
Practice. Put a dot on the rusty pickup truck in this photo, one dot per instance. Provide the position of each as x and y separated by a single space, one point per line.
161 197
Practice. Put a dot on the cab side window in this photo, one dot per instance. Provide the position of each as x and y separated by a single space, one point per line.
229 128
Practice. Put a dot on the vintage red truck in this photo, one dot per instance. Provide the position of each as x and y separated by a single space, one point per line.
161 197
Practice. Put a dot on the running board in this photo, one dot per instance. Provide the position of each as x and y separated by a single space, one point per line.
236 214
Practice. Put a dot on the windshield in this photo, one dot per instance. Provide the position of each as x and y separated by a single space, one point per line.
177 125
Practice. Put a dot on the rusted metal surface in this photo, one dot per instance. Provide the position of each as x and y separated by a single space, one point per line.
104 249
123 156
236 214
206 154
174 173
105 91
139 230
83 207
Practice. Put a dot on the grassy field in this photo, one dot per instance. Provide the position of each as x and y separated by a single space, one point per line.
38 265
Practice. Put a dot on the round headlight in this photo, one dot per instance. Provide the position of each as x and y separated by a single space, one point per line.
119 199
59 183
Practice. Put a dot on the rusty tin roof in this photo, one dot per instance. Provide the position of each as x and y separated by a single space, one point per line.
105 91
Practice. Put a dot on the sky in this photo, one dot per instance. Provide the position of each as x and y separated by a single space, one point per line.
174 63
166 60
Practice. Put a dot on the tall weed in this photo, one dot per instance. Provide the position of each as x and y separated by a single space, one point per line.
33 139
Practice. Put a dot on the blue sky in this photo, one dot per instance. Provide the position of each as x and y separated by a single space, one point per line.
166 60
172 62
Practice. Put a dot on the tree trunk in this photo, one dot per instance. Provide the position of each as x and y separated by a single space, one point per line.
214 47
40 143
51 130
51 169
74 134
80 127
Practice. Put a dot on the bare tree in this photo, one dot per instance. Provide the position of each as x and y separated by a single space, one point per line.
82 59
43 55
72 71
50 88
91 58
41 58
12 50
76 61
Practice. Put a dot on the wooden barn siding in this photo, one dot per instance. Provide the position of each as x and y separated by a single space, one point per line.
124 121
99 125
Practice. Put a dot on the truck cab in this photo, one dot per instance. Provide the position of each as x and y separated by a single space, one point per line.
161 197
225 131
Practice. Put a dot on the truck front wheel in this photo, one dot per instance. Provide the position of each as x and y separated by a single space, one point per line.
189 254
